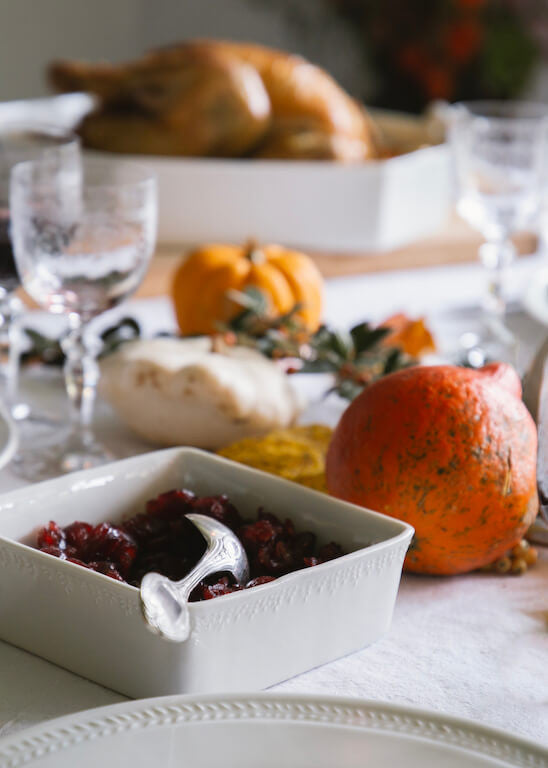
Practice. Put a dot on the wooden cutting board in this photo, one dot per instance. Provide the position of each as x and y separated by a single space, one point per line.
456 243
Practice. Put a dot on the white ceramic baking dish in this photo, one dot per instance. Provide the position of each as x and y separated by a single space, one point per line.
324 206
92 625
321 206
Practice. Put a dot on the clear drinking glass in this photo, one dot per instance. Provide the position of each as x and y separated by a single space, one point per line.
19 142
82 238
499 150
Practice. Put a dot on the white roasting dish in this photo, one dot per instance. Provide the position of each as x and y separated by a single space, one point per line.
323 206
357 208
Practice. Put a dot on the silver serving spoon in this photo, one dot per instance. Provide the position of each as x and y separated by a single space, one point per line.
165 602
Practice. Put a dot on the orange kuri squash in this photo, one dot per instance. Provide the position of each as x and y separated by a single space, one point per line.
450 450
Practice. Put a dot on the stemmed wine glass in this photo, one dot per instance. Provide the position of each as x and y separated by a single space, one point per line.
83 237
499 150
19 142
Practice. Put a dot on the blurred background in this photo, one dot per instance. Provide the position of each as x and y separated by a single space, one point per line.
399 54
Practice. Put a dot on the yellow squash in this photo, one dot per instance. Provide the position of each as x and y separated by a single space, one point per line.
296 453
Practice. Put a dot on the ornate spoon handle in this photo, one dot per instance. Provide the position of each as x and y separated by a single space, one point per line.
165 602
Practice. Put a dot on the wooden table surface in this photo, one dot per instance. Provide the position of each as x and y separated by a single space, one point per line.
456 243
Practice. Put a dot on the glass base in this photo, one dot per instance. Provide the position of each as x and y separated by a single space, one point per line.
22 412
59 454
492 341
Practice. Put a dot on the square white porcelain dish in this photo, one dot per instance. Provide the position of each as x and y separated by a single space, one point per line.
92 625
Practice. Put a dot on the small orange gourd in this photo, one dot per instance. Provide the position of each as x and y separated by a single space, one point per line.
450 450
202 285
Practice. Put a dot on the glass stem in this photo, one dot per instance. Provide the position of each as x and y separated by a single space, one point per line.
496 256
9 348
81 376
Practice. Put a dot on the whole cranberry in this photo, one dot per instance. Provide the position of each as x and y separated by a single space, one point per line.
171 503
77 535
107 542
51 535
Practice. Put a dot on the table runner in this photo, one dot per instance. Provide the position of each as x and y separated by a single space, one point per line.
474 646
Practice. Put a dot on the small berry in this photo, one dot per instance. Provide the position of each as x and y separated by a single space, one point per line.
503 565
519 566
531 556
520 548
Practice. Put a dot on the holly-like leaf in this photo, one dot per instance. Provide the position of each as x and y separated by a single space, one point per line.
250 298
42 349
47 351
337 345
318 366
365 337
127 329
394 361
348 389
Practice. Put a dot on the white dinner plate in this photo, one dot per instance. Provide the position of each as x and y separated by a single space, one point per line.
535 300
265 731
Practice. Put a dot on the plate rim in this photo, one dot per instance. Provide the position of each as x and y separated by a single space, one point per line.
362 714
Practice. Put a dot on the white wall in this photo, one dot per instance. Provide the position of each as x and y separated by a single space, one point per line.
33 32
307 27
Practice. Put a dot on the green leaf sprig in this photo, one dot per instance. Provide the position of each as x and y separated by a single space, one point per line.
356 357
47 350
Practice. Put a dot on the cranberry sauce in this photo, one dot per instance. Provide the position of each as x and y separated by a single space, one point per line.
161 539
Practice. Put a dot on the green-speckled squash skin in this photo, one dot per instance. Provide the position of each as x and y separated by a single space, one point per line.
450 450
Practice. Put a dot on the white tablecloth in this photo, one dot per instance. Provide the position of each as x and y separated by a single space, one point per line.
473 646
